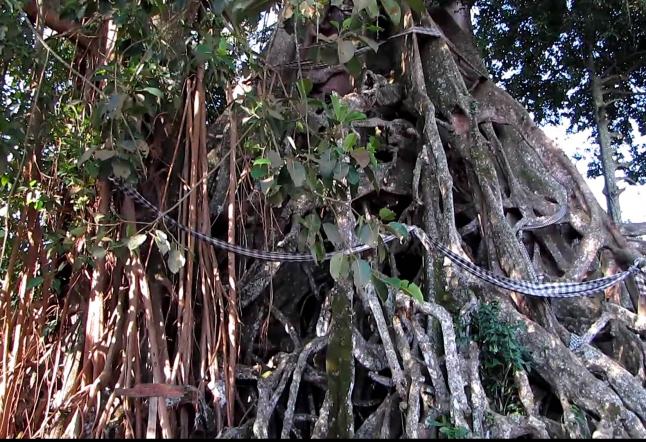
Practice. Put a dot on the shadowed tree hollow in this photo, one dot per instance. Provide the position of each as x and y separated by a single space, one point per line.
176 177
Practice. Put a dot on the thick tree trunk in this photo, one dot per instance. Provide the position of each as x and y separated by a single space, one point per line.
608 163
487 174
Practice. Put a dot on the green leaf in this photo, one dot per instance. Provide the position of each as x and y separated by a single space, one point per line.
339 266
340 109
340 171
326 164
386 214
361 156
361 273
317 251
398 229
203 51
312 222
393 10
34 282
259 171
353 176
77 231
355 116
393 282
416 5
354 67
274 113
154 91
98 252
350 141
346 24
368 235
121 168
296 171
175 261
304 87
161 239
380 287
332 233
373 9
370 42
414 292
261 161
135 241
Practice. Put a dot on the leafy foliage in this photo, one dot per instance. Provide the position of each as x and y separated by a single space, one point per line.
497 339
500 353
542 53
449 430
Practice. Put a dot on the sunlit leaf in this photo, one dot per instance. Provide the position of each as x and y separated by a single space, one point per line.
345 50
98 252
161 239
350 141
135 241
414 292
175 261
339 108
261 161
304 87
386 214
154 91
121 168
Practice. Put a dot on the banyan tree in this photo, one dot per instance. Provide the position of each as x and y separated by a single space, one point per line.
297 219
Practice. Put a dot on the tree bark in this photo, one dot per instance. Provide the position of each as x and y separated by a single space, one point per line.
606 152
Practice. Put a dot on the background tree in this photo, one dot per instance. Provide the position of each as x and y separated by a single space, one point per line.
275 126
583 60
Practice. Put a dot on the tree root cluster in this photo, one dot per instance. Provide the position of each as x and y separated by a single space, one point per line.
468 164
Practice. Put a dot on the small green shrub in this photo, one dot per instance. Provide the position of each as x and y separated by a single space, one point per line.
498 340
501 354
448 429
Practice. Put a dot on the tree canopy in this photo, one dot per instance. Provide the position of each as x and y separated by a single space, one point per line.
547 54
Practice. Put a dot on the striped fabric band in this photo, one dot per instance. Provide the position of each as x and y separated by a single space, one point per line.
238 250
543 290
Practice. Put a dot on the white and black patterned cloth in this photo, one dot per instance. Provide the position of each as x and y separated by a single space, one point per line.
543 290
